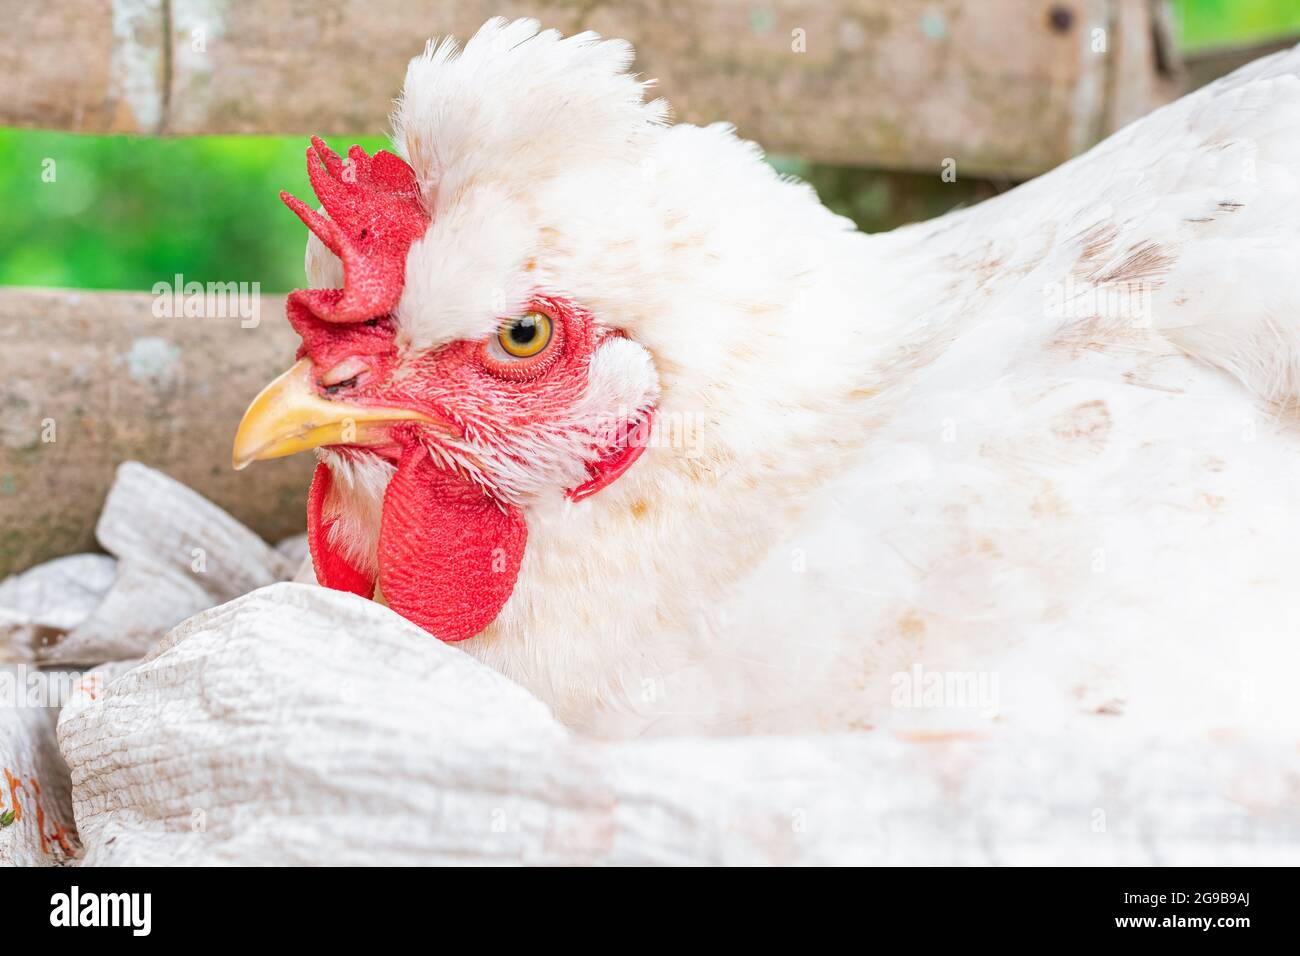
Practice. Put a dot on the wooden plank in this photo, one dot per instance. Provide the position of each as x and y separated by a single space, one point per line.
94 379
1006 87
1205 66
1145 67
90 67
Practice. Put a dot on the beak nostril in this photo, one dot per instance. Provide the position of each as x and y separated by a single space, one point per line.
290 415
343 375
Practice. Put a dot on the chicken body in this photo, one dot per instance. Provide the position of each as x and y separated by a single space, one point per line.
1041 452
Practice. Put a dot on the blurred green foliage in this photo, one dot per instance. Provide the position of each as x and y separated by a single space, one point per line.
1210 23
119 212
104 212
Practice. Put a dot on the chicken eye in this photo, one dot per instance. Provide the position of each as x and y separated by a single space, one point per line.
526 336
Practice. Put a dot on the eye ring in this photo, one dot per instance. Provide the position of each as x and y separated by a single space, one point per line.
526 336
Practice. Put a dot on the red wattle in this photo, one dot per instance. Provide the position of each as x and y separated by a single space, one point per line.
332 569
448 553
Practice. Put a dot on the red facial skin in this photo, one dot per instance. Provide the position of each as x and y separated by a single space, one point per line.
479 397
463 384
450 547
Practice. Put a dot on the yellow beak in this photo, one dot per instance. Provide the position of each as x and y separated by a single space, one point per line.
289 416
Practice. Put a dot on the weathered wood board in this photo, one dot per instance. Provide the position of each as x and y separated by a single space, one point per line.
92 379
1206 66
1005 87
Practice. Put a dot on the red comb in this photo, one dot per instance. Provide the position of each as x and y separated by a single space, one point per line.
374 215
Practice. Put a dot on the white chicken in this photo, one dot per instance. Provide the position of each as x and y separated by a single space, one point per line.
1042 451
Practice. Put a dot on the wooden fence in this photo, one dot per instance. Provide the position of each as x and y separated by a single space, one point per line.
1009 87
1013 87
92 379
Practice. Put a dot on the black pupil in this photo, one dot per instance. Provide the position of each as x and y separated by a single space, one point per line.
523 330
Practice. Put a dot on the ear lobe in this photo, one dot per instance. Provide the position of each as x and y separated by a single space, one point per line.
617 459
621 376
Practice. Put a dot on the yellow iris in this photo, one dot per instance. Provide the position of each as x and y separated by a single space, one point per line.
526 336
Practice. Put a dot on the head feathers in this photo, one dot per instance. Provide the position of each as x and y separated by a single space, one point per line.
515 106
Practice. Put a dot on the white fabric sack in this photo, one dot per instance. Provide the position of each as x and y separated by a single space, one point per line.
39 607
34 781
300 725
172 553
177 553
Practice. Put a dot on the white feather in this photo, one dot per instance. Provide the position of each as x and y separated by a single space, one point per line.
1049 440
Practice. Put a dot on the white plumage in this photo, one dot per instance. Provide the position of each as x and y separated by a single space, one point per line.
1047 443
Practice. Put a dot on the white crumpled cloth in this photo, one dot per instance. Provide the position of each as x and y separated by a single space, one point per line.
292 724
173 554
